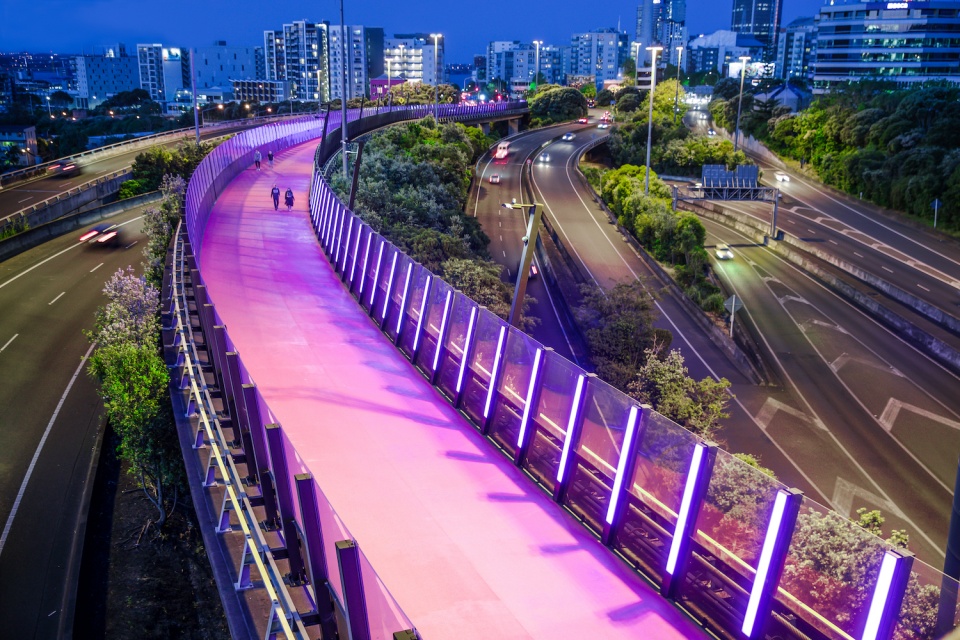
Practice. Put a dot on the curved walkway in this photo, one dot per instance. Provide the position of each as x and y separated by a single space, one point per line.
467 545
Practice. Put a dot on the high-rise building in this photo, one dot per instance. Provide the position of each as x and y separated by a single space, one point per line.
796 48
412 57
660 23
761 19
715 51
101 77
599 54
364 59
480 68
297 55
500 56
905 42
551 64
150 66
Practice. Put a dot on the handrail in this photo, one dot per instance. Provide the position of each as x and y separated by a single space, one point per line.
239 500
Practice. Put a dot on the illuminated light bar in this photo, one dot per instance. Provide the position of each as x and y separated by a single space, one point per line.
493 372
356 252
763 566
530 389
423 308
386 301
88 235
366 263
571 423
107 236
403 298
376 277
443 327
685 506
466 346
881 592
341 241
622 465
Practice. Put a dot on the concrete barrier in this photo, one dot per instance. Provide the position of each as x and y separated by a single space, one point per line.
36 236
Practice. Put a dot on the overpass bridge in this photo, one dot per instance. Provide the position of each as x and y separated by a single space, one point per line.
387 459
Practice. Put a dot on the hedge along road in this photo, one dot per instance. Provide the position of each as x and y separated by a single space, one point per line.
50 420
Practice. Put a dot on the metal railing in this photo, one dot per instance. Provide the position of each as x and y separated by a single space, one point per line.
742 553
220 466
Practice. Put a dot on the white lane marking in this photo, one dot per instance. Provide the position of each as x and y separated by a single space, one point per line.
501 238
25 199
96 267
62 293
131 244
889 416
923 287
504 254
886 269
857 254
809 230
834 242
59 253
8 342
36 454
476 201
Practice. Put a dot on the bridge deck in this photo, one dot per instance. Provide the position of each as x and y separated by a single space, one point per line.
468 546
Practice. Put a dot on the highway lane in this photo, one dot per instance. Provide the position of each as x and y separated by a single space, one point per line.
880 421
604 254
50 418
24 194
914 259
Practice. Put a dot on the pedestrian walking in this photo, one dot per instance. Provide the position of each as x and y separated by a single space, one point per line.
256 158
270 158
275 194
288 199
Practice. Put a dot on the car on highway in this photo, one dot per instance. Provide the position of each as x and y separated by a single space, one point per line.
711 132
102 235
495 178
781 176
723 252
603 125
63 169
582 121
569 136
534 272
544 157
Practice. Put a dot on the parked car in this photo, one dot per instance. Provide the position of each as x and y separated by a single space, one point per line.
569 136
723 252
495 178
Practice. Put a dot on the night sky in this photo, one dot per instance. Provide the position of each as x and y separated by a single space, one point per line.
73 26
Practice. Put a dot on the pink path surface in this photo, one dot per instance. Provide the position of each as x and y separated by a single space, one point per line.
467 545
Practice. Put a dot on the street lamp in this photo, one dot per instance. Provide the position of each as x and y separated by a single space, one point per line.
203 111
48 107
653 88
436 69
743 73
529 242
676 96
536 75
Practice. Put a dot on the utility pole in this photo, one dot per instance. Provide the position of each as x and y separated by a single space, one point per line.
193 90
343 97
529 242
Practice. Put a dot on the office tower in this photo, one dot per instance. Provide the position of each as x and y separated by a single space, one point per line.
761 19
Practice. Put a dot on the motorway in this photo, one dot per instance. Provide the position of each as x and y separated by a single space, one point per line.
864 419
50 419
29 192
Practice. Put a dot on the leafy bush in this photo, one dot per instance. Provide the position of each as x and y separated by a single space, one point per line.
129 189
557 104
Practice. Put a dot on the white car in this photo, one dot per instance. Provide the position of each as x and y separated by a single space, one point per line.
711 132
723 252
495 178
569 136
603 125
781 176
544 157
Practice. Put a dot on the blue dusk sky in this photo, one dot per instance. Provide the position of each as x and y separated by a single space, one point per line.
73 26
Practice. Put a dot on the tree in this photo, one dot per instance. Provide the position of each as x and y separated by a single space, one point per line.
664 383
557 105
589 91
628 103
620 331
61 99
130 315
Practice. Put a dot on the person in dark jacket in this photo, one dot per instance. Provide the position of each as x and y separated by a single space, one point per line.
275 194
288 199
270 158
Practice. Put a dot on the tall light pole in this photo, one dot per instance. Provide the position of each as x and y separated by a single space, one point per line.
743 73
536 75
436 69
529 242
193 90
653 88
388 77
676 96
343 97
48 108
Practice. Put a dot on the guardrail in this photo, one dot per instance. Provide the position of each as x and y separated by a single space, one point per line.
315 545
744 554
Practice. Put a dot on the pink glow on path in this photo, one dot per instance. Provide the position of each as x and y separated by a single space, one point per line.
465 542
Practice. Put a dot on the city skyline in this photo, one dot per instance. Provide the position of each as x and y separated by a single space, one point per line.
83 25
